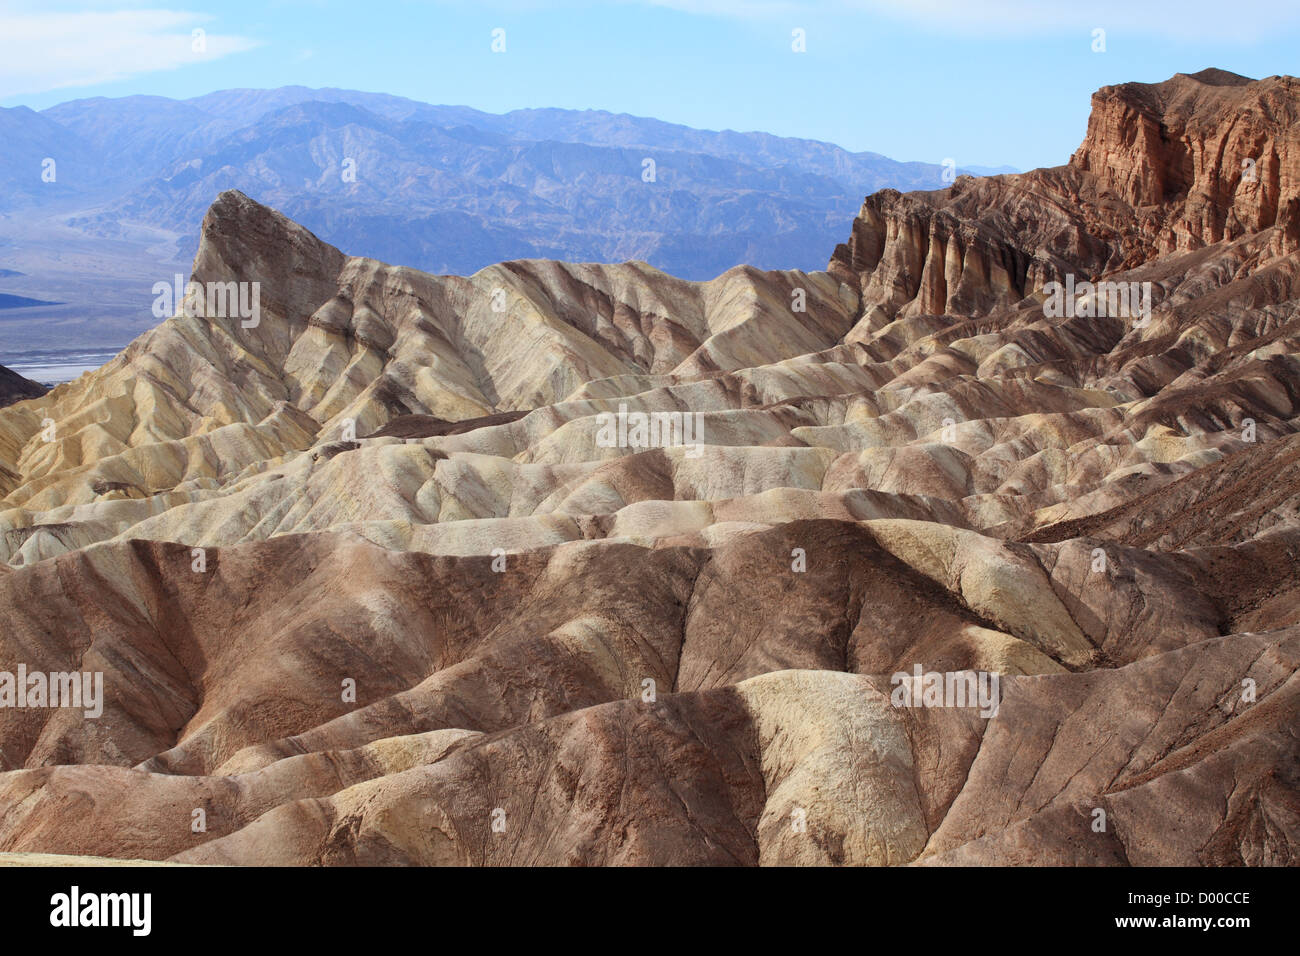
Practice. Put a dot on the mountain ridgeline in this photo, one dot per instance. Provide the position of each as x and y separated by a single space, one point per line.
443 189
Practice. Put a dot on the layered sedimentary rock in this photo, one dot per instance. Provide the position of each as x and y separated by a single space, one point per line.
1165 168
1218 157
386 572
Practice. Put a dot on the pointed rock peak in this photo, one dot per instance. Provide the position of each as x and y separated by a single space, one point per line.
243 241
238 232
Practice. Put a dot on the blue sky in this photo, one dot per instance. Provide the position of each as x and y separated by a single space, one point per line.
1007 81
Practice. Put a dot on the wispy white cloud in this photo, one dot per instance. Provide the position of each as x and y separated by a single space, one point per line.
44 49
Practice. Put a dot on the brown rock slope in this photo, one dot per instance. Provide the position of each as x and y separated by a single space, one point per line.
15 388
367 584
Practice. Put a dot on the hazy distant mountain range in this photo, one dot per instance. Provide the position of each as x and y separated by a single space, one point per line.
446 189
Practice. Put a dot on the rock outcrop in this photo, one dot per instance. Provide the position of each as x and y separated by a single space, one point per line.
1165 168
1217 154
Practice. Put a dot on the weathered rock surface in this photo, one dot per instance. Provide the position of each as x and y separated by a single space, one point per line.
369 584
